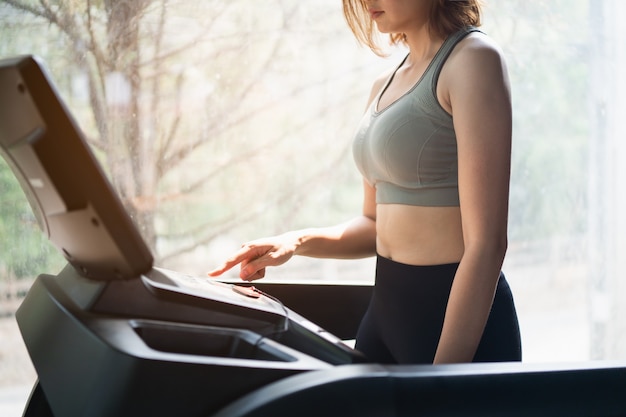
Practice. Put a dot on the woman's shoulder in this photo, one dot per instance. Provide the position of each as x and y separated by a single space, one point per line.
379 84
476 66
382 79
477 49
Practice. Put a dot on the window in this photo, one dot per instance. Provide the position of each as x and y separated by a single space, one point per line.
222 121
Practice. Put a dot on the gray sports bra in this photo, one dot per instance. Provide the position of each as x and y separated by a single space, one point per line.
408 149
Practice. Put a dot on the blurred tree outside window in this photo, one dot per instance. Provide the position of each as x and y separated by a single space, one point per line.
222 121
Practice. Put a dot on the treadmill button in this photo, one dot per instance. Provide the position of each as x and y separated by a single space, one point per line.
247 291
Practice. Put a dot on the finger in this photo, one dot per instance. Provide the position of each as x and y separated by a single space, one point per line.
256 275
217 272
243 255
221 269
255 268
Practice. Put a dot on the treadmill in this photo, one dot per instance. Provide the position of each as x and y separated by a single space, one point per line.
114 335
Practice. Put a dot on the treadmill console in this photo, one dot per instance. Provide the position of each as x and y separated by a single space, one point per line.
211 289
111 334
250 308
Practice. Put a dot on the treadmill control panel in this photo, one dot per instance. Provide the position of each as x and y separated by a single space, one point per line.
211 289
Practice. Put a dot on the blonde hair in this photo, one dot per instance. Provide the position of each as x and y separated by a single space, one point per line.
446 17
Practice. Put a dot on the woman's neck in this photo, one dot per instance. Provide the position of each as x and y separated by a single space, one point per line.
423 44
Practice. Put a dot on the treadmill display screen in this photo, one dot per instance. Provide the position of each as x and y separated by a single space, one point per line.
71 197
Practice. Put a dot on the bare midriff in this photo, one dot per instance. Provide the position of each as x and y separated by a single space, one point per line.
418 235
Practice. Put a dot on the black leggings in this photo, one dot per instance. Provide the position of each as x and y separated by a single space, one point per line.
403 322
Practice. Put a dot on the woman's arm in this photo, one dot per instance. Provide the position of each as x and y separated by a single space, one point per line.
479 97
353 239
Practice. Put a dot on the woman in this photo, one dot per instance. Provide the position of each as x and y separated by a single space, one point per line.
434 149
